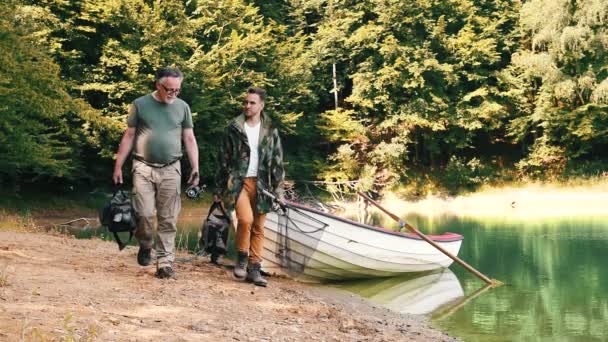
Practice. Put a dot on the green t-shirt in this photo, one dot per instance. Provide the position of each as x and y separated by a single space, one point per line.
158 138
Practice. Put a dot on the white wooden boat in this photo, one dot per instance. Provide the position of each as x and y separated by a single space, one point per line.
416 293
312 245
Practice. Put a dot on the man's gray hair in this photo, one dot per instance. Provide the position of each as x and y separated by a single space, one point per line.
168 72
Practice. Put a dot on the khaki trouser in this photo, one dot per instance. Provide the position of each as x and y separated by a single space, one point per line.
250 228
156 194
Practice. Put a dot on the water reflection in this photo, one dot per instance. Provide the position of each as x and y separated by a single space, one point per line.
419 293
553 267
555 275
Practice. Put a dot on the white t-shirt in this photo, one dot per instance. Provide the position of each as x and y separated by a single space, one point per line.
253 135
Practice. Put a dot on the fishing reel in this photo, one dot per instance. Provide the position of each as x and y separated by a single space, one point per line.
195 191
277 205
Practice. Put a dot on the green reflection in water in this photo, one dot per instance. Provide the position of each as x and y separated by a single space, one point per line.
557 286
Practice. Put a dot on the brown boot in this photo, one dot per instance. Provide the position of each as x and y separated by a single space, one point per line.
254 276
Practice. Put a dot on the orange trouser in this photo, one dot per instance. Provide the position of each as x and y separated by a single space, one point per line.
250 228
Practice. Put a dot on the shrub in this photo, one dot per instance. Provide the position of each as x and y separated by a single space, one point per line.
462 174
546 161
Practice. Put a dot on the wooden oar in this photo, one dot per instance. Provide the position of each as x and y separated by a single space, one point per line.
412 229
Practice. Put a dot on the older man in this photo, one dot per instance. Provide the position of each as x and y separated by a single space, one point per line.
157 124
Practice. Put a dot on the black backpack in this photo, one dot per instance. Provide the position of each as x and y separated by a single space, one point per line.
119 216
214 232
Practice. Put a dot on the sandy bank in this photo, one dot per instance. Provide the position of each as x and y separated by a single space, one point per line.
54 287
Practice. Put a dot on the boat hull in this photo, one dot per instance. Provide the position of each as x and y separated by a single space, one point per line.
315 246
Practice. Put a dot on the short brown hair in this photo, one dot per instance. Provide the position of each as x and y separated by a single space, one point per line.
258 91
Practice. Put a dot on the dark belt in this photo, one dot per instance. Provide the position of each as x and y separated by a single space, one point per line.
155 165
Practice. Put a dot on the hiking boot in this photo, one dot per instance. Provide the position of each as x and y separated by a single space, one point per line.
254 276
165 273
240 271
143 256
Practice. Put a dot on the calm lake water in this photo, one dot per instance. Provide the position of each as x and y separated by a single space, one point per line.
555 274
556 280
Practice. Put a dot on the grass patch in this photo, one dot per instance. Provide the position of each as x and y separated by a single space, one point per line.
204 200
4 277
73 333
39 202
70 332
20 220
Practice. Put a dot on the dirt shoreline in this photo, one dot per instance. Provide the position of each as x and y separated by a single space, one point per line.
55 287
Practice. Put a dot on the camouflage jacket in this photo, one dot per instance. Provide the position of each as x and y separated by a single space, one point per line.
234 161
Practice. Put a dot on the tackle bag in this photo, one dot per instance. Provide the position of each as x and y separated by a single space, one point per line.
214 231
119 216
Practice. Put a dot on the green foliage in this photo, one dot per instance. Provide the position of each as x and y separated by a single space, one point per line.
44 129
422 76
441 86
462 174
586 169
110 49
547 161
561 70
343 126
236 50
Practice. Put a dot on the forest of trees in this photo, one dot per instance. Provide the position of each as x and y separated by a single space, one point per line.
454 92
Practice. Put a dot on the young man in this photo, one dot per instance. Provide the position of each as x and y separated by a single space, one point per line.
157 124
251 160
